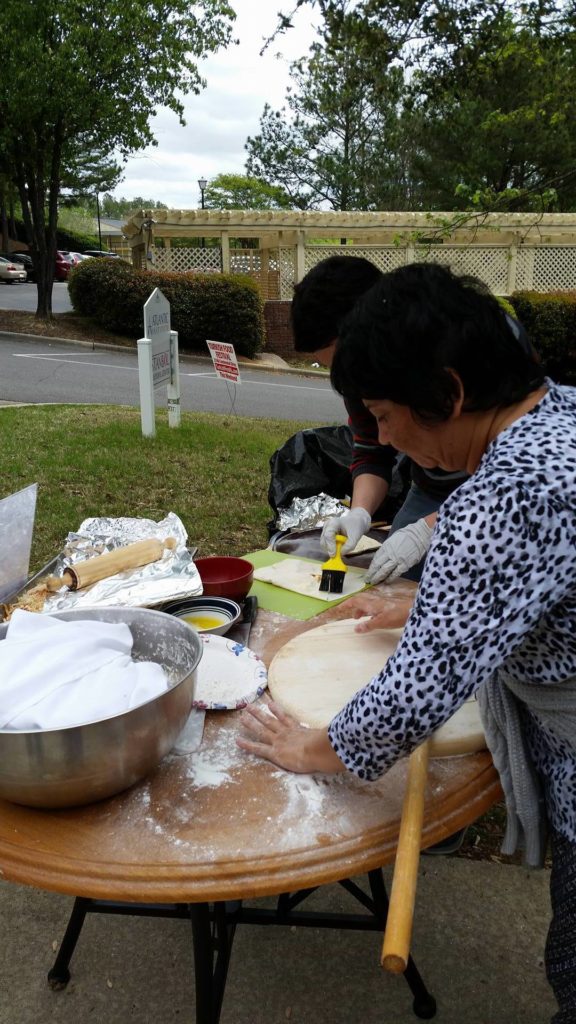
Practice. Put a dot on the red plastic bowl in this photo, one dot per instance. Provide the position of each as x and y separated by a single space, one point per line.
224 576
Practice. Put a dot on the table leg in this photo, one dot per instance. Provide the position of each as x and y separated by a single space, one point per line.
211 977
424 1004
59 975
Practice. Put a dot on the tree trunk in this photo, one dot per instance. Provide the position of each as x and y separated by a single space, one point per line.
4 222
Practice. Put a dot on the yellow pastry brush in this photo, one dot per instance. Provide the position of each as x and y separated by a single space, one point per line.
334 570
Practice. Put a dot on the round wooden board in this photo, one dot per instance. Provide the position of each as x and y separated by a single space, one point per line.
316 673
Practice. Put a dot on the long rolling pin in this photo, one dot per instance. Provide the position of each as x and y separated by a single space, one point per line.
83 574
396 946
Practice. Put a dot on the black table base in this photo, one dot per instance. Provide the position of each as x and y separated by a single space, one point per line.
214 926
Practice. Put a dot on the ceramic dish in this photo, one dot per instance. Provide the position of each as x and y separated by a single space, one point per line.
225 576
206 614
229 675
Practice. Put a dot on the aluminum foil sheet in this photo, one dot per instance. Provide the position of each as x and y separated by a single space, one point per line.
309 513
172 577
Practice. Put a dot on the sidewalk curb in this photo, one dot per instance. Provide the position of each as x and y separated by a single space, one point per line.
248 364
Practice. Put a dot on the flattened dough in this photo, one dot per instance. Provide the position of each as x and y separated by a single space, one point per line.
304 578
315 674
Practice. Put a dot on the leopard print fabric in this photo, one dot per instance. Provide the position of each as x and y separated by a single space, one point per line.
498 589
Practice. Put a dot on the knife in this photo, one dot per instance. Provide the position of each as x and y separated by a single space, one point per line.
191 736
241 631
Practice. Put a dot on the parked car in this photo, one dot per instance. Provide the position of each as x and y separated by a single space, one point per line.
63 266
79 256
100 252
25 259
10 272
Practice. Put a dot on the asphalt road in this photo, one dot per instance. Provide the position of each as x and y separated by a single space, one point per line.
25 297
41 371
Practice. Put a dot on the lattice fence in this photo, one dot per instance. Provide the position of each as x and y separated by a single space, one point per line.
489 263
546 268
205 261
385 257
540 267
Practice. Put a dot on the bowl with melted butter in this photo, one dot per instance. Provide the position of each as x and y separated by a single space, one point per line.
206 614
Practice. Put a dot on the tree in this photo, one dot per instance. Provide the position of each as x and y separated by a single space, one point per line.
333 142
118 208
94 70
86 173
499 118
241 192
488 117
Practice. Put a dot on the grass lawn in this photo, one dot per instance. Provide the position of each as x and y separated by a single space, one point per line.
212 472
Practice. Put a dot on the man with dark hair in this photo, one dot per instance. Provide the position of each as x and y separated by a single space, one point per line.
321 303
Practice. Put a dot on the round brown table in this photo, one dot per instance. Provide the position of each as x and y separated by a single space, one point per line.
219 827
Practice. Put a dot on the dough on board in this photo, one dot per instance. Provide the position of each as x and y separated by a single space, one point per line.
303 577
316 673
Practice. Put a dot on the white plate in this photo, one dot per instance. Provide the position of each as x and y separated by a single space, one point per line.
230 676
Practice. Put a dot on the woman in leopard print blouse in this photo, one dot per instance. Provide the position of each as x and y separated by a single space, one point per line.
432 359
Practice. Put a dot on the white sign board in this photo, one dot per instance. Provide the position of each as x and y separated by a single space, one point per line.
224 359
157 329
158 363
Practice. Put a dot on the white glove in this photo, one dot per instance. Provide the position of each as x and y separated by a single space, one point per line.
353 524
400 552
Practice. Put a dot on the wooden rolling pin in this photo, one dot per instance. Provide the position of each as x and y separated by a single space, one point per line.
396 947
83 574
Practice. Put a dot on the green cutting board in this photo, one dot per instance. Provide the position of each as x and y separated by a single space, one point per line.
277 599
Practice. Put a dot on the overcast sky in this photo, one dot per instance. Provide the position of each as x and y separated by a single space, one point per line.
220 118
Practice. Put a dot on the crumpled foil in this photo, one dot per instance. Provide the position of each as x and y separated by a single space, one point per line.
172 577
309 513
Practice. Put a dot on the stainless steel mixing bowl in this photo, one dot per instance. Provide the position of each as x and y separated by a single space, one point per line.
84 763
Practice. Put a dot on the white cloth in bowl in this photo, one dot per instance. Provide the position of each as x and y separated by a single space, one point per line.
55 674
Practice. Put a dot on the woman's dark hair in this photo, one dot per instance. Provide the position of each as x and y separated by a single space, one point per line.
418 323
325 296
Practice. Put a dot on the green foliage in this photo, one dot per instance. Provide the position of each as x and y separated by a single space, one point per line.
76 241
496 122
66 238
241 192
485 117
332 143
219 307
116 208
88 78
550 319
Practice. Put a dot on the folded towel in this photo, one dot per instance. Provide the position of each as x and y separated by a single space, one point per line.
55 674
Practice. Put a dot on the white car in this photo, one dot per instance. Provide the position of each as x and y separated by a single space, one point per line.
11 271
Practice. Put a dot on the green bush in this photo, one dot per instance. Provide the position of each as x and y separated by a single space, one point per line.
216 307
550 319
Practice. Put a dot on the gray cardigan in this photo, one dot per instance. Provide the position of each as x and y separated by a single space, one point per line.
554 707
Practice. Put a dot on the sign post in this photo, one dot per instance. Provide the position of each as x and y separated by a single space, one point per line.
158 362
173 389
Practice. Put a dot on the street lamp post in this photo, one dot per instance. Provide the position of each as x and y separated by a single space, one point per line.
98 216
202 184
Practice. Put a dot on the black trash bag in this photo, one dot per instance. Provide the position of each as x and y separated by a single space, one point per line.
313 461
317 461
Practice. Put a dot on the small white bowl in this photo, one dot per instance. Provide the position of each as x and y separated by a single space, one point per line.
206 614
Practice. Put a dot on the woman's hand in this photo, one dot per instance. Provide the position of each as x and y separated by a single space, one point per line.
383 612
279 738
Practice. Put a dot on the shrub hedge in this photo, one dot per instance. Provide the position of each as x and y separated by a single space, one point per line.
550 319
219 307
